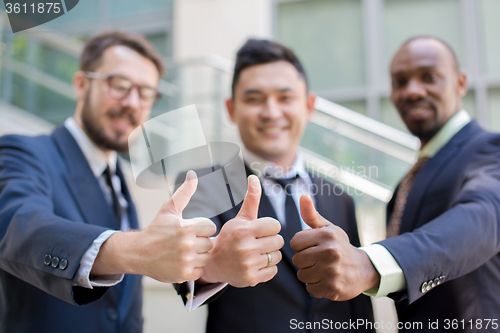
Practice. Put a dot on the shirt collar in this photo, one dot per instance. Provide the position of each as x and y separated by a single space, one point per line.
263 167
97 160
452 127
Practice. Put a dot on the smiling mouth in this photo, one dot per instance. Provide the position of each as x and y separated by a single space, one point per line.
271 130
122 122
419 112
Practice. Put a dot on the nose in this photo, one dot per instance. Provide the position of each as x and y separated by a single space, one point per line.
272 109
132 100
415 90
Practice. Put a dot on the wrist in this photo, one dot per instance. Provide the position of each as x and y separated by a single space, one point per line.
114 256
371 274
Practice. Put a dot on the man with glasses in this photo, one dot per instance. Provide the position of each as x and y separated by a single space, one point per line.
63 200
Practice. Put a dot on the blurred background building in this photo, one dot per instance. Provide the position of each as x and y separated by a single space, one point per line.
356 138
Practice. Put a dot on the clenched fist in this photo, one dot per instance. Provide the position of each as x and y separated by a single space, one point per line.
327 262
239 256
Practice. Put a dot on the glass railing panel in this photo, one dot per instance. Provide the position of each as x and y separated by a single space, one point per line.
353 156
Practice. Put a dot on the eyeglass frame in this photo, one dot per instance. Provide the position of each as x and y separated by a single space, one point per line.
108 77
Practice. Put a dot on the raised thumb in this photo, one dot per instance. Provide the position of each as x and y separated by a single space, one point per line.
250 207
309 213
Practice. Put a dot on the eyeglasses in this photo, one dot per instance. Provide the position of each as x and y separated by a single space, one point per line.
120 87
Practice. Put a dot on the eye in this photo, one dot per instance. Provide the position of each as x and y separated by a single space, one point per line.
429 77
399 82
253 99
120 84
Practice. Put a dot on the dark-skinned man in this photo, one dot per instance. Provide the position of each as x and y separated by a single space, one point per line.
440 262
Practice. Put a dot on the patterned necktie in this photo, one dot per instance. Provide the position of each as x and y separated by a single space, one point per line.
394 226
116 204
292 217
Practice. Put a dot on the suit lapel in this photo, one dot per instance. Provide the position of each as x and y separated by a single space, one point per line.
430 171
82 182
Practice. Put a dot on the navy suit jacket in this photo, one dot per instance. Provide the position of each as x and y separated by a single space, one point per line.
51 204
271 306
451 228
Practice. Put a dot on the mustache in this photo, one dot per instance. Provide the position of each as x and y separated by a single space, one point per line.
124 113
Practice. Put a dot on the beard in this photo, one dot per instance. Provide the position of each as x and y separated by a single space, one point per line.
95 130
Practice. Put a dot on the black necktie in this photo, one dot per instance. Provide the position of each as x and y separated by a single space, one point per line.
292 217
116 204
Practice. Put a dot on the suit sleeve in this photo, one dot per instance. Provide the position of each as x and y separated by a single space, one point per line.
30 232
461 239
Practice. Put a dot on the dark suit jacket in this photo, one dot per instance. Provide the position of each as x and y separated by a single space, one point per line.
270 307
451 228
51 204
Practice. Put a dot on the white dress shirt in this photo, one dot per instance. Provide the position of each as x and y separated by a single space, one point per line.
98 161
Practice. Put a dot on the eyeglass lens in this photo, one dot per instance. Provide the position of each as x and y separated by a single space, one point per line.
120 87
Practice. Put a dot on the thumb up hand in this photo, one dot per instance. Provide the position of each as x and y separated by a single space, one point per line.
330 266
246 250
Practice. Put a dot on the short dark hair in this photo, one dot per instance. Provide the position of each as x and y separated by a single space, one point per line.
91 56
261 51
439 40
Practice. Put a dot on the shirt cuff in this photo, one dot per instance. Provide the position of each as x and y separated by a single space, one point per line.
203 293
82 277
392 278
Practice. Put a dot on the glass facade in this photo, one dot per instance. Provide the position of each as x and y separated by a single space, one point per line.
338 61
346 47
38 75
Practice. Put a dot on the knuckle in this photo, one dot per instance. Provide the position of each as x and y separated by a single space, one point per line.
246 266
186 246
328 233
244 252
186 261
184 231
332 253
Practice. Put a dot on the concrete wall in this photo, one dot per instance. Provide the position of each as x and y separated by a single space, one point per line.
218 26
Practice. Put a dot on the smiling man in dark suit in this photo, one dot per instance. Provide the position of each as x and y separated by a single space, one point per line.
271 106
66 212
441 261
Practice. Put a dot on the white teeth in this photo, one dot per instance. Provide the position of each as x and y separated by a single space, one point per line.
417 110
271 130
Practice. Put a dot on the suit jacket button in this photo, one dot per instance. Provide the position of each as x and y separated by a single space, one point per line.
431 284
424 287
55 262
437 282
441 279
63 264
112 314
47 260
